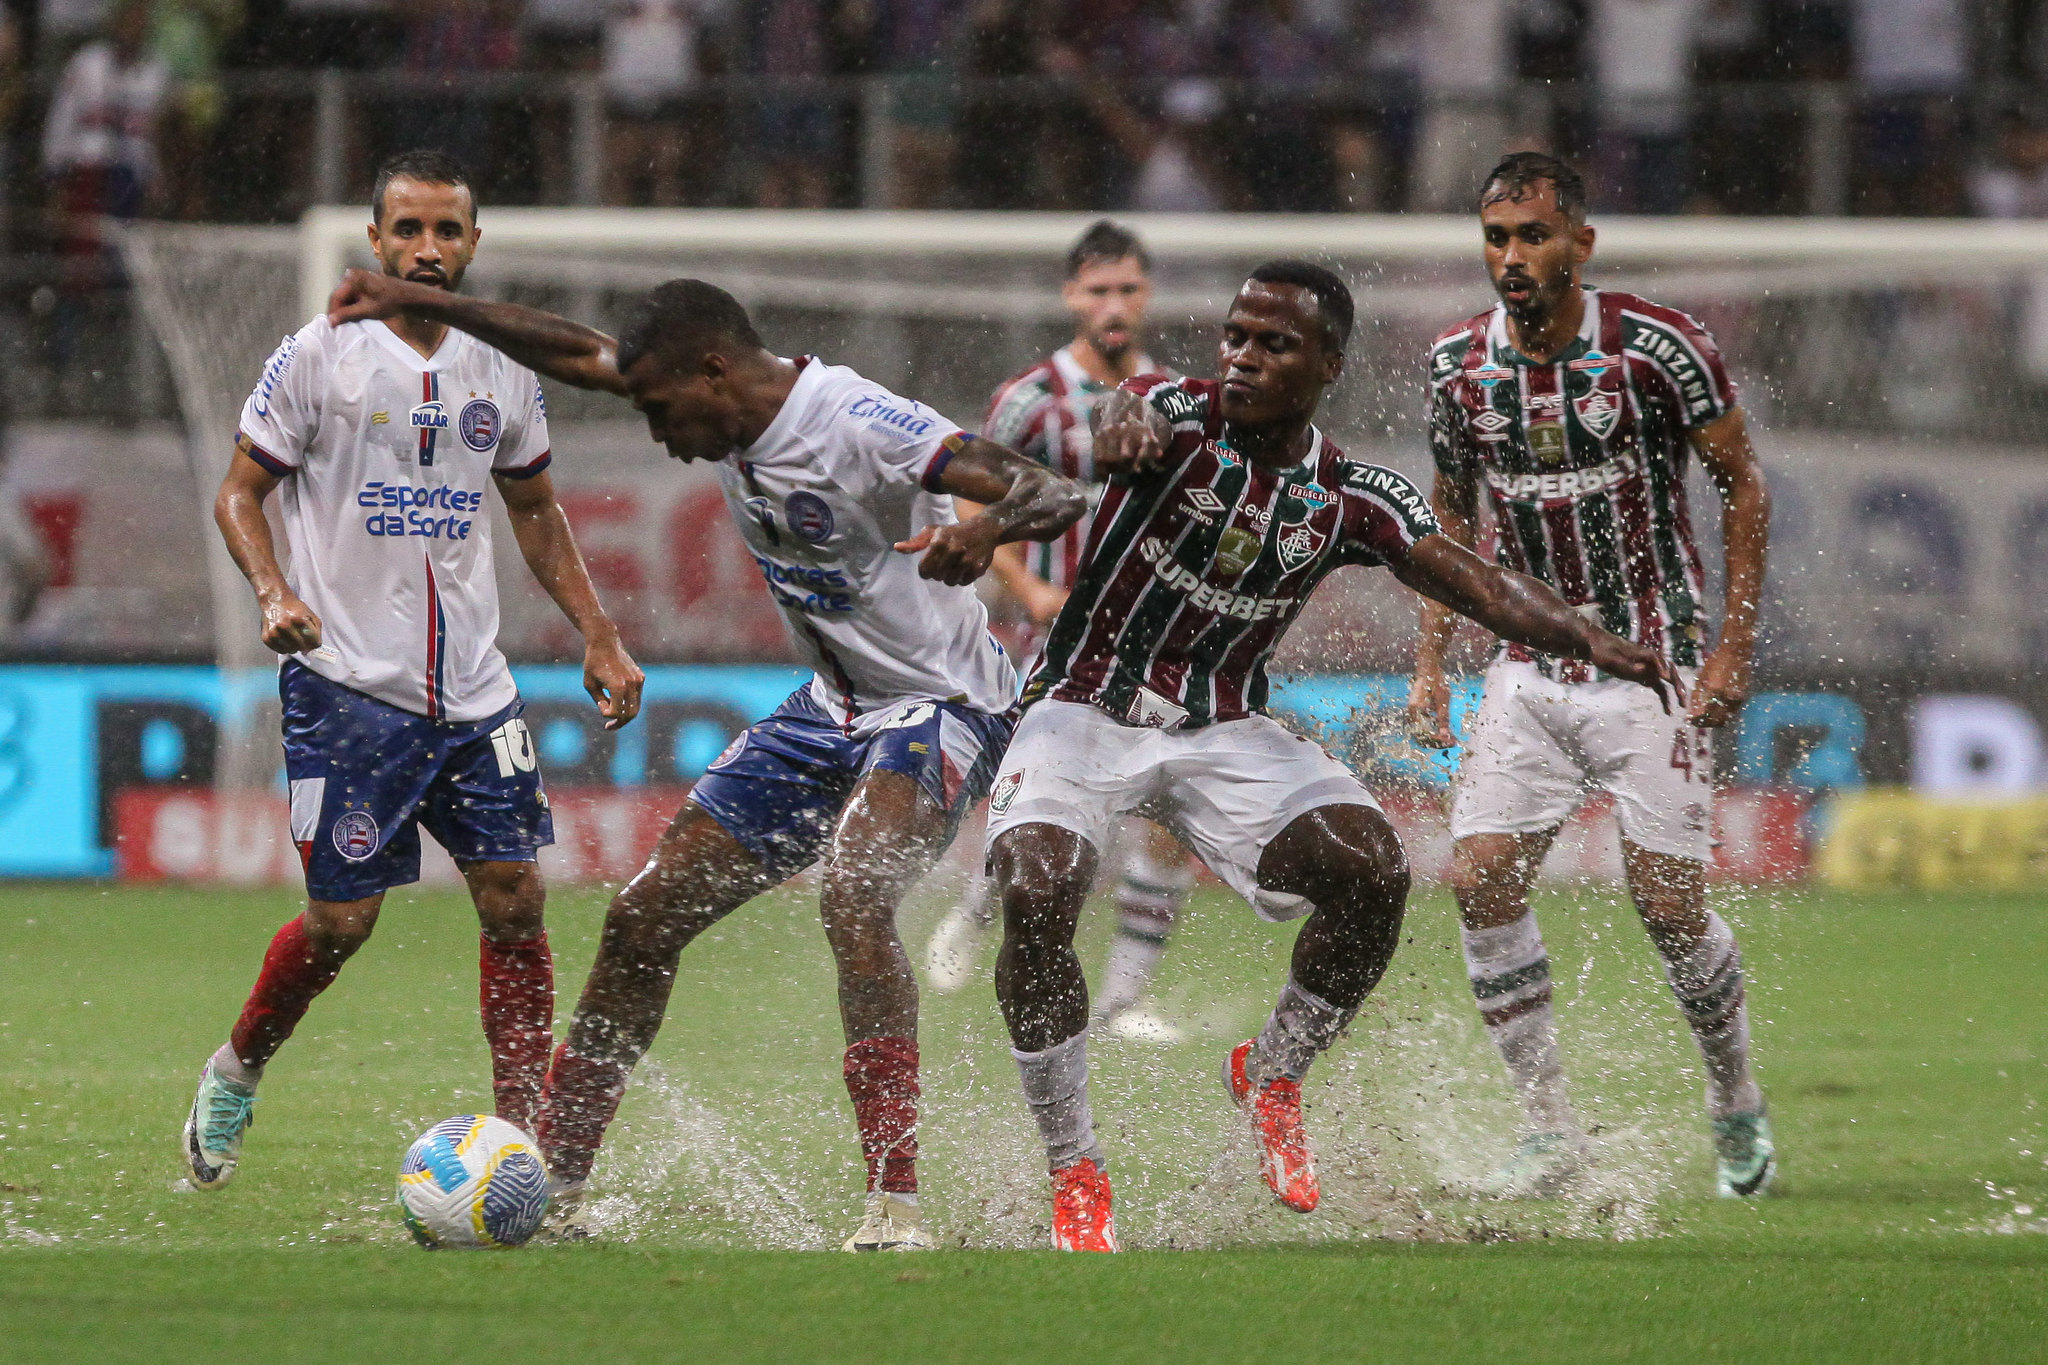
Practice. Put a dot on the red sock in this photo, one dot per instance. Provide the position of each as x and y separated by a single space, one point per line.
881 1076
517 993
294 971
581 1097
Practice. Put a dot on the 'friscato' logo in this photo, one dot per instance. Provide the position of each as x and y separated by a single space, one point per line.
479 424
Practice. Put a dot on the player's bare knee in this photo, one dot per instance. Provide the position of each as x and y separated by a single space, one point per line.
1338 856
1042 872
338 928
511 899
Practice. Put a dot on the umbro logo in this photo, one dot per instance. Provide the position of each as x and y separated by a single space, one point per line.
1202 505
1491 421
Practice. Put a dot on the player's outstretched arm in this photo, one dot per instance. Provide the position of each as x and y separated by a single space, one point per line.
1729 459
610 676
1455 501
544 342
1021 500
1520 609
289 625
1131 435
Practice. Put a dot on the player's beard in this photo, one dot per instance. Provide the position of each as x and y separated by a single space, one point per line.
1113 348
438 279
1542 300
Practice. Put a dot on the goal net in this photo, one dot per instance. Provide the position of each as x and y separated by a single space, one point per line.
1911 355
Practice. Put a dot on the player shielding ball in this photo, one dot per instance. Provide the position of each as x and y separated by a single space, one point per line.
1045 413
843 492
1574 410
1227 507
399 711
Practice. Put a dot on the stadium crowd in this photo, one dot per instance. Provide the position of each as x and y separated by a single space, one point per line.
202 108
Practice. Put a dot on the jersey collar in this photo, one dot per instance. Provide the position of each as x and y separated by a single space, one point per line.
809 372
443 355
1077 378
1586 340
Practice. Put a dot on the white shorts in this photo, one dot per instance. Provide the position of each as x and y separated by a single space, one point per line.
1539 747
1226 790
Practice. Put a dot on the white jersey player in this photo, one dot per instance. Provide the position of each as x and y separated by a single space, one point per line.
839 486
399 711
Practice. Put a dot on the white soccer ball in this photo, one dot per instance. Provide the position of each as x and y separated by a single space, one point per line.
473 1181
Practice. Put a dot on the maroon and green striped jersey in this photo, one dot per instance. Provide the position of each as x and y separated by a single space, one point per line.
1583 459
1195 569
1043 413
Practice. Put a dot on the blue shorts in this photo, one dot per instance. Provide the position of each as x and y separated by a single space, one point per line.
365 775
778 789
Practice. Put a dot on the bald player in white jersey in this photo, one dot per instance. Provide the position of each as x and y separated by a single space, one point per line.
399 711
844 494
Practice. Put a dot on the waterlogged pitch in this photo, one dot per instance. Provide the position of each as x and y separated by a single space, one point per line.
1901 1041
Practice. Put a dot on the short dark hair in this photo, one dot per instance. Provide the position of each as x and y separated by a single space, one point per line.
684 319
425 165
1520 172
1333 297
1106 241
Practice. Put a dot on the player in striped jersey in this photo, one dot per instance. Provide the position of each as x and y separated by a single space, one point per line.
1044 413
1228 507
1574 410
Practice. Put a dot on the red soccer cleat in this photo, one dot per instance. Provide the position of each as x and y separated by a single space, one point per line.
1284 1158
1081 1218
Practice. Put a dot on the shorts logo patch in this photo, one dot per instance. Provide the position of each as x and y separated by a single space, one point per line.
479 424
355 835
732 751
1005 791
809 515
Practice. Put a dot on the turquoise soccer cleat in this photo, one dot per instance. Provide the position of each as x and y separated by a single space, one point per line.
221 1113
1544 1166
1745 1157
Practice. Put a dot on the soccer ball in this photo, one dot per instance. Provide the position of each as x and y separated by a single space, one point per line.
473 1181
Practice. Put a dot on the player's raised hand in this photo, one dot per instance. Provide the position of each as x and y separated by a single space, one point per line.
289 625
955 555
613 680
366 294
1721 688
1639 664
1429 709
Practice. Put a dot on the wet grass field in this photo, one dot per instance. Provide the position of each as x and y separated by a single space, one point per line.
1901 1041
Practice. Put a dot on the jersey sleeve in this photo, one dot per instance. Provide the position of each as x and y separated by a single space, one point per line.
1186 404
523 448
894 440
282 414
1016 417
1450 439
1685 354
1386 515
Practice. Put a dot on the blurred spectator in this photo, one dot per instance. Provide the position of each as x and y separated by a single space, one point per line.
454 40
2014 183
1182 158
1465 77
1000 42
1284 145
1372 140
650 67
1912 61
1738 130
913 45
188 36
1642 73
796 132
100 161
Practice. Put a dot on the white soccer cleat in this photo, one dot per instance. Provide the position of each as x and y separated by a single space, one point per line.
955 947
567 1220
1544 1166
892 1224
1140 1022
221 1113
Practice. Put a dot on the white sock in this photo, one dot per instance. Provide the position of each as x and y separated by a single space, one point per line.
900 1197
226 1064
1133 956
1301 1027
1510 975
1056 1090
1707 979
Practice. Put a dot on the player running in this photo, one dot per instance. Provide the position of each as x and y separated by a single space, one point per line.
1044 413
399 710
844 494
1229 506
1575 410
